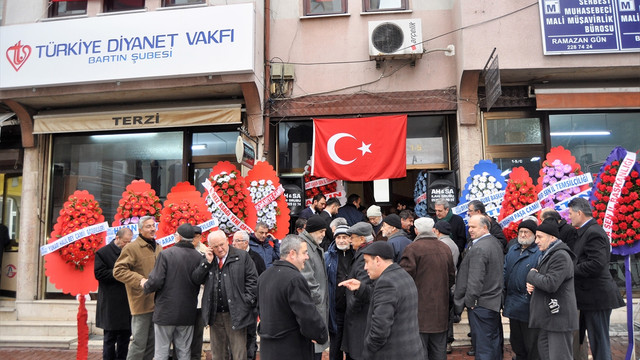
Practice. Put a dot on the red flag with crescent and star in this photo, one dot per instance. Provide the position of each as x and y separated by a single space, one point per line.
360 149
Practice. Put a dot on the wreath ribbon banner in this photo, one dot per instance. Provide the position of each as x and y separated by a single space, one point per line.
625 168
565 184
171 239
73 237
220 204
496 196
420 198
269 198
521 214
111 232
328 196
563 204
318 183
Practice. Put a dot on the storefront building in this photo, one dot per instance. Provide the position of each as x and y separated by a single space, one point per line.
95 94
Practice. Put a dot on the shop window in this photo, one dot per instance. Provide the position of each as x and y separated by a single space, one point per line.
123 5
207 149
105 164
385 5
324 7
167 3
67 8
514 131
591 137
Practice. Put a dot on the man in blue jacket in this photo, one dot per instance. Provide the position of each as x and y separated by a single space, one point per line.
264 244
521 258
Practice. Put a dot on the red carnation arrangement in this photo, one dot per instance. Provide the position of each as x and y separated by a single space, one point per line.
138 200
329 187
184 205
78 212
625 227
519 193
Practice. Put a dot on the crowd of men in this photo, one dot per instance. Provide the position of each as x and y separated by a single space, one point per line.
363 285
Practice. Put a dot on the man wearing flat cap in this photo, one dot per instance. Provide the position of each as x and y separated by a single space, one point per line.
521 258
315 272
355 319
176 295
392 326
553 307
396 237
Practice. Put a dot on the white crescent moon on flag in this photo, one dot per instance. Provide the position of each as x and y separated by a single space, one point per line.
331 148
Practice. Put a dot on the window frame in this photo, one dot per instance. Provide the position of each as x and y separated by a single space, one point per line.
307 8
108 6
53 11
366 6
167 3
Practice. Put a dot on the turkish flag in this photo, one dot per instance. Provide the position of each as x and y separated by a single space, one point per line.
360 149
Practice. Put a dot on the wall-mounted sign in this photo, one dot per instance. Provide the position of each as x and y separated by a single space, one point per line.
204 40
245 153
590 26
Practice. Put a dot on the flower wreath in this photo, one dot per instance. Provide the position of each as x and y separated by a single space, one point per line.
520 192
485 179
325 186
420 194
79 211
138 200
272 210
625 222
184 205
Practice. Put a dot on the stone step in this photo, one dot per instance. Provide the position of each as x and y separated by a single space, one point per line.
8 313
28 341
38 328
64 310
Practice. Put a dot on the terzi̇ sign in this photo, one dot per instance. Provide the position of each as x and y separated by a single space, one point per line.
590 26
214 40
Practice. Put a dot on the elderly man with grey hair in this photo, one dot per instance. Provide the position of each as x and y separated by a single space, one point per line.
289 319
135 263
458 232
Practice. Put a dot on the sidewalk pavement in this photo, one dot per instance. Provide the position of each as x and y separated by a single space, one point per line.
618 351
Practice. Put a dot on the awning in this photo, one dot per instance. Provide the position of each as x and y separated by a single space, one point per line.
605 98
136 119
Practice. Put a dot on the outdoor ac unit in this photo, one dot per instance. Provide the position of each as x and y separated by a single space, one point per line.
395 39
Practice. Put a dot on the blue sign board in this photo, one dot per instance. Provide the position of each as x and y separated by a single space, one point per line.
590 26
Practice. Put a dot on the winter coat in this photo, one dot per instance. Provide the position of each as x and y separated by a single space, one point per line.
315 273
112 309
517 264
567 234
331 258
355 318
258 261
134 263
430 264
595 288
269 249
392 330
479 281
455 251
351 213
176 297
398 241
458 231
240 281
553 284
496 231
289 319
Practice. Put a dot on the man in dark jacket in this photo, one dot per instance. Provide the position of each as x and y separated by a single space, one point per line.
350 210
230 288
476 207
567 232
289 320
264 244
396 237
553 303
317 205
596 292
392 329
406 219
479 289
521 258
176 296
355 319
458 233
112 309
430 264
338 260
241 242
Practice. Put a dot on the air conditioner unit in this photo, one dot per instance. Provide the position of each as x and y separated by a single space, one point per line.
395 39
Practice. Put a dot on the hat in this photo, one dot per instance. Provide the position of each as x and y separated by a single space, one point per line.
361 229
423 224
443 226
549 227
315 223
379 248
341 230
374 210
393 220
185 231
197 230
528 224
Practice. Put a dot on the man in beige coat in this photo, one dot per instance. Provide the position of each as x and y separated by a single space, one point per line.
135 263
